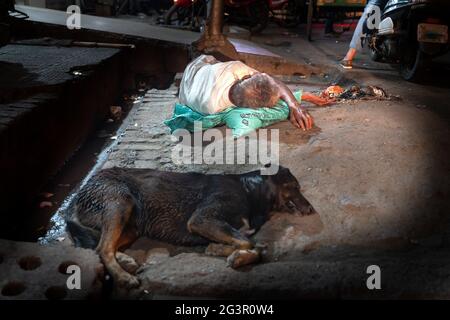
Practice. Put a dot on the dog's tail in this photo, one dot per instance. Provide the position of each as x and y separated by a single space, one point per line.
82 236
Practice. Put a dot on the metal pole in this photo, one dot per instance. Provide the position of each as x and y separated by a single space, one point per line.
216 18
310 17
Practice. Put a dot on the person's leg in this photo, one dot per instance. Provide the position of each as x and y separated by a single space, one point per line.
351 53
358 36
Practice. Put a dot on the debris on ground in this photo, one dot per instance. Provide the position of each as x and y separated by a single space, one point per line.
332 92
116 112
47 195
356 92
45 204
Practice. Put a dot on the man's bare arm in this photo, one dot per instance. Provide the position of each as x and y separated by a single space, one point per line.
298 116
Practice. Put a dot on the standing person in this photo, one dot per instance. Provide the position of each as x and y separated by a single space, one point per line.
358 35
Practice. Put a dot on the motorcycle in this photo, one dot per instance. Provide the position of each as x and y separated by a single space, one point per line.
192 14
411 33
287 13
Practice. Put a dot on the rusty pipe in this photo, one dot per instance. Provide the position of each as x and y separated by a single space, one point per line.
216 17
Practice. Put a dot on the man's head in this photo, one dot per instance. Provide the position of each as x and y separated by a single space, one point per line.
258 90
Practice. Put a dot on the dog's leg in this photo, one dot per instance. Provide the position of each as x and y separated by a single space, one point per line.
114 223
207 225
127 237
233 244
127 262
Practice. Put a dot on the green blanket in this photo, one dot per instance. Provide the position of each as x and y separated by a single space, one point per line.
241 120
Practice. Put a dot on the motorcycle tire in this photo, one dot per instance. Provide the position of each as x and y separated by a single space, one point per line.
168 15
413 64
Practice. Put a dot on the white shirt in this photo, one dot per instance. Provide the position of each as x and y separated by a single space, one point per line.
206 83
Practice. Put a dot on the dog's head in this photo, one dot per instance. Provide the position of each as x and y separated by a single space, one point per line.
288 196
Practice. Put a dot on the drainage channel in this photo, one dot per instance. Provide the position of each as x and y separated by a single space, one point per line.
56 122
47 224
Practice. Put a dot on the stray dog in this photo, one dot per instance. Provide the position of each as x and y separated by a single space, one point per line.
118 205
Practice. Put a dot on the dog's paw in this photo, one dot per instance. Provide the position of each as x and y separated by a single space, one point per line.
127 281
127 262
241 258
219 250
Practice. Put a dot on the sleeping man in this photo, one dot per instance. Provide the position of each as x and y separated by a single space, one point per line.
209 86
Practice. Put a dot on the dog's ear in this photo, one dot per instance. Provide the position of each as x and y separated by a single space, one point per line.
283 174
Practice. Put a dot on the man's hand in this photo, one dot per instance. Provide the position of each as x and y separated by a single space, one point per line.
300 118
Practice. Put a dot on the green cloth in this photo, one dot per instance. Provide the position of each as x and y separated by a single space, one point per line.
241 120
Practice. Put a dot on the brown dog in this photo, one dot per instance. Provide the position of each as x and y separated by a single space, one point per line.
118 205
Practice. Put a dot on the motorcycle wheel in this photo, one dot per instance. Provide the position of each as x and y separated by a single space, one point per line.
412 65
294 10
175 16
259 15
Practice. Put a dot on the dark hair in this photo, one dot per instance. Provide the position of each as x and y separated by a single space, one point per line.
256 91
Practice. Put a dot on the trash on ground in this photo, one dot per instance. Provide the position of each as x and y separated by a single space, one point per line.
368 92
47 195
116 112
45 204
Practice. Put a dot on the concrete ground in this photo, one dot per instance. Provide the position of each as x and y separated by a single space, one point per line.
30 271
377 172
